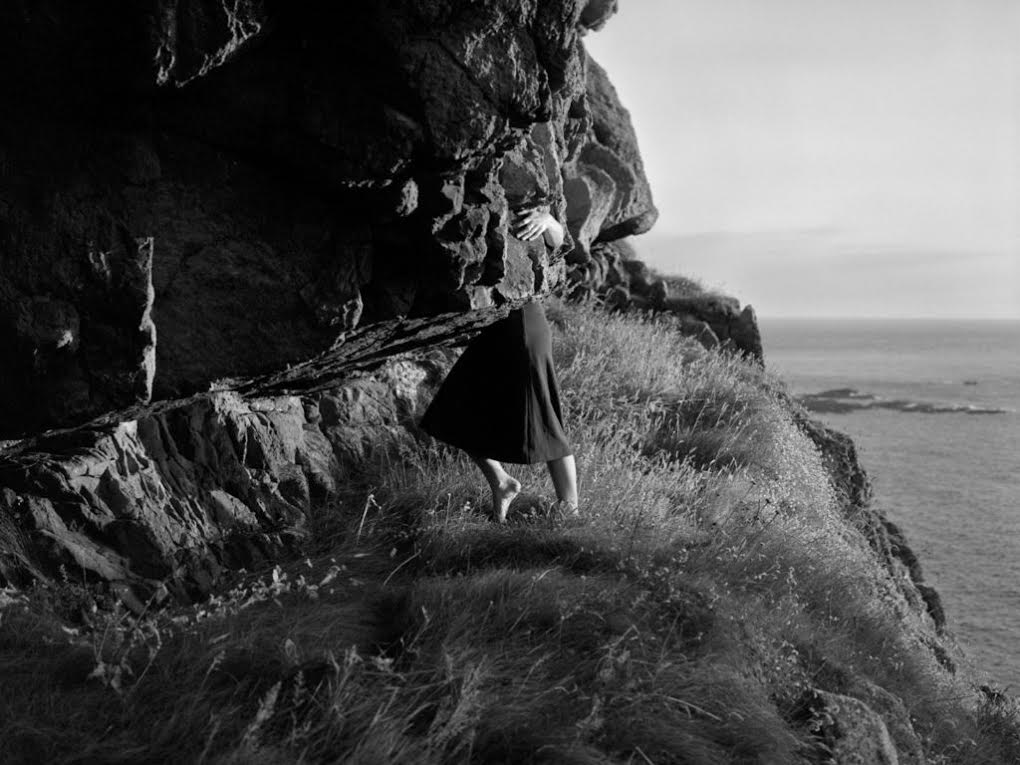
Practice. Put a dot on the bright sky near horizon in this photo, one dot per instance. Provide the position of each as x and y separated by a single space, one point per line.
830 158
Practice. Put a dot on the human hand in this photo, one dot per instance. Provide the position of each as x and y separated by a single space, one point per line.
533 222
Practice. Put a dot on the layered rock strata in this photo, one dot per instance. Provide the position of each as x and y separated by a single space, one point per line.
164 502
162 499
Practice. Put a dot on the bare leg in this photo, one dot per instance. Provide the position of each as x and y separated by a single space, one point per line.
504 486
564 477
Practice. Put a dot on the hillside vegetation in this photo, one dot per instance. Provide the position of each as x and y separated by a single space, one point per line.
707 597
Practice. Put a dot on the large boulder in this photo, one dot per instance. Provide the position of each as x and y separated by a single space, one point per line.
198 189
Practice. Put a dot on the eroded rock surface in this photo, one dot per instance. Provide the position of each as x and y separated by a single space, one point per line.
611 158
166 496
164 502
193 189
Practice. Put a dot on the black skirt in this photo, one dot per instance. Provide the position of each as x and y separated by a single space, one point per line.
501 400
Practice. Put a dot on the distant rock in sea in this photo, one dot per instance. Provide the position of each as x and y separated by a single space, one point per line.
846 400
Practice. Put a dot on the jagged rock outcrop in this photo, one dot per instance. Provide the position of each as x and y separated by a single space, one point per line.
733 326
196 189
614 273
608 196
839 455
164 502
164 498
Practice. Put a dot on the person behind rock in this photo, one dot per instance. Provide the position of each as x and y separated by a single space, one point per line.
500 401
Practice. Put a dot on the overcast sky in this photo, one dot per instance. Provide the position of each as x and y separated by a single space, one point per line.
827 157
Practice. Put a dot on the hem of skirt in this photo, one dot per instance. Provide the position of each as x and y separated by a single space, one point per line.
529 459
514 458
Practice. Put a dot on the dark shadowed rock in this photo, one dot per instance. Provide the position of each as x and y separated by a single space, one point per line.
193 37
735 327
745 333
91 51
77 332
597 12
839 455
263 177
137 266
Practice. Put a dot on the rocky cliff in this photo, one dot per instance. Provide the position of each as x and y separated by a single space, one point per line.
195 189
257 199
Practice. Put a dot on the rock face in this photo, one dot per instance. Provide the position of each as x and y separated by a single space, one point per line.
608 196
198 189
614 153
162 498
614 274
97 50
853 487
164 502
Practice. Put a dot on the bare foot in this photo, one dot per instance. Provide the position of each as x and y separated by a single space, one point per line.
502 496
566 509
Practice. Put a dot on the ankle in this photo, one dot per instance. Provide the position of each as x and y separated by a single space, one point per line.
507 481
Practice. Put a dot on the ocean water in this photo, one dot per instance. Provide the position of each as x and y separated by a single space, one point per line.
934 407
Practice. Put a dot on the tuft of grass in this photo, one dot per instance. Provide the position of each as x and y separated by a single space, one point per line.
709 581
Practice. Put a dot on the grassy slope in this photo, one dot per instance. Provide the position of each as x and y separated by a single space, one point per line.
708 582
